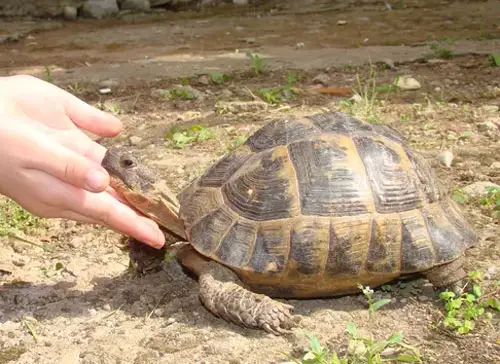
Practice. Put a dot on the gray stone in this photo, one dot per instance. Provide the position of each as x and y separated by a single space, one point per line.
137 5
134 140
70 12
495 165
322 79
478 189
408 83
100 8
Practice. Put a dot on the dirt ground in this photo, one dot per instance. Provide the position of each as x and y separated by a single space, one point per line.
68 297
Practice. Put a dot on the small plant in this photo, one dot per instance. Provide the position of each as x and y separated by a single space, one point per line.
276 95
257 63
491 202
440 48
219 78
14 219
373 305
48 75
362 350
464 310
495 59
365 100
179 93
180 137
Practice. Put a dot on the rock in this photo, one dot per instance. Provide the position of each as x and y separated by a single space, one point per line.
300 45
21 261
341 22
479 189
322 78
491 272
134 140
204 80
70 12
408 83
105 91
486 126
423 298
237 107
159 312
428 290
495 165
106 307
489 109
136 5
389 63
445 158
226 94
171 321
99 8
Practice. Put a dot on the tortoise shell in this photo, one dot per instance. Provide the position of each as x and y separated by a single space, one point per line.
313 206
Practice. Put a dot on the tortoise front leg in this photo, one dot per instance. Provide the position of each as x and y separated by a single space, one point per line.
451 276
222 294
145 259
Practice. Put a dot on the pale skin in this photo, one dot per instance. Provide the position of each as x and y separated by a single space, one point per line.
52 168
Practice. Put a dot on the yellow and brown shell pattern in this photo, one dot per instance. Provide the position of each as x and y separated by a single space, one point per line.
313 206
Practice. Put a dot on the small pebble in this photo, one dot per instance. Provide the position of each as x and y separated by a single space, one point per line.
171 321
159 312
495 165
408 83
134 140
341 22
105 91
445 158
92 312
106 307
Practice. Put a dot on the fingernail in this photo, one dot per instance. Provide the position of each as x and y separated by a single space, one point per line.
96 180
159 240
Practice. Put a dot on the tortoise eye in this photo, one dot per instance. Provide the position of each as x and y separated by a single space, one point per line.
127 163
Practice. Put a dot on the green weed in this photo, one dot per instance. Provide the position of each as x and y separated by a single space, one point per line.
464 310
14 218
440 48
219 78
373 305
491 202
495 59
179 93
365 101
361 350
183 136
275 95
48 75
257 63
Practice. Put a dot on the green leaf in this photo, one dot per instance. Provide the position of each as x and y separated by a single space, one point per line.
476 290
495 57
395 338
406 358
493 303
446 295
377 304
351 329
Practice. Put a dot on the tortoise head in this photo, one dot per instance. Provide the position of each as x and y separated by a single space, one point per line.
137 184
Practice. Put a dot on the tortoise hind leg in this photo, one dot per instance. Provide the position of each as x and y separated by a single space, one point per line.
450 276
222 294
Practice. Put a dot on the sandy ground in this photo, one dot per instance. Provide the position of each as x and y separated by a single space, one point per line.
92 310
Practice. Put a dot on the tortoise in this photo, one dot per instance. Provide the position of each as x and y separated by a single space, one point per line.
307 207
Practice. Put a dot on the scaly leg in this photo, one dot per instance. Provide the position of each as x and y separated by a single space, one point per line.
450 276
222 294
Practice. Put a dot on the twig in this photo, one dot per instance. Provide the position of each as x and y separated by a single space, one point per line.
155 307
30 329
14 235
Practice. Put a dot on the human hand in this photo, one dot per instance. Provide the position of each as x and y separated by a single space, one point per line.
51 168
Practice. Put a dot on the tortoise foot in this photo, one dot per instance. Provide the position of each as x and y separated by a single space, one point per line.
233 303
